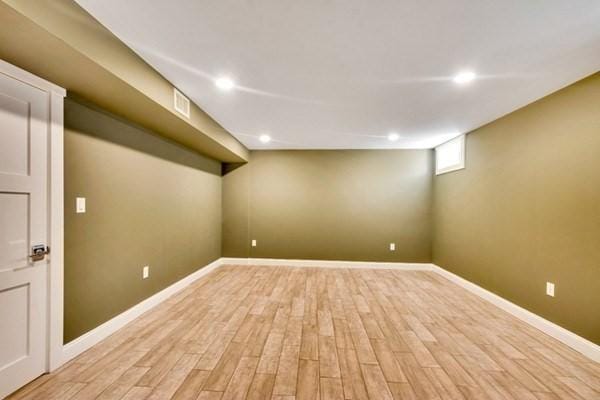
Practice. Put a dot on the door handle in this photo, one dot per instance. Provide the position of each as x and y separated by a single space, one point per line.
38 253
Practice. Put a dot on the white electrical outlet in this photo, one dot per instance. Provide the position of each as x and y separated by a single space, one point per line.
550 289
253 242
392 246
80 205
145 272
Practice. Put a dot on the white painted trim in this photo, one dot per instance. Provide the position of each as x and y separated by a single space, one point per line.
30 79
56 231
93 337
55 184
582 345
576 342
328 263
84 342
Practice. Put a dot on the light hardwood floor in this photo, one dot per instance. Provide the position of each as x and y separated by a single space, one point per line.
308 333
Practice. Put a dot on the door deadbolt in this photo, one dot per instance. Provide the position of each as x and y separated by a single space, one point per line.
38 253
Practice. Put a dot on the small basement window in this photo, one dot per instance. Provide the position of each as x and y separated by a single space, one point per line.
450 156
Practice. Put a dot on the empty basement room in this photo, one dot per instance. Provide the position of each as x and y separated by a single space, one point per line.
289 200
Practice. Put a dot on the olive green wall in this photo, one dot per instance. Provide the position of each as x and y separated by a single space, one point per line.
330 205
149 202
526 209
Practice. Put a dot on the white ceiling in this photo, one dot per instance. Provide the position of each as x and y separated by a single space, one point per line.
318 74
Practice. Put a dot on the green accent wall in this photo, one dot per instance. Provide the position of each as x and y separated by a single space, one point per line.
526 210
330 205
149 202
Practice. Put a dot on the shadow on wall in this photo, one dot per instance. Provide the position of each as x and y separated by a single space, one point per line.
79 113
227 168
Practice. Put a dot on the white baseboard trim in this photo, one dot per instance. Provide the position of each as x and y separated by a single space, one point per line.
328 263
576 342
93 337
96 335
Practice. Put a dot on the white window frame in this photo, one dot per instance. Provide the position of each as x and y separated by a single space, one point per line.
453 167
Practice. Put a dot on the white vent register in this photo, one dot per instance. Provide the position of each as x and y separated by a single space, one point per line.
181 103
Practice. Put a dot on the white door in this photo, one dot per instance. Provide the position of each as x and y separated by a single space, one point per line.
23 225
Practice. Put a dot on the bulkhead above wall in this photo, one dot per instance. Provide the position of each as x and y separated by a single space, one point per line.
84 57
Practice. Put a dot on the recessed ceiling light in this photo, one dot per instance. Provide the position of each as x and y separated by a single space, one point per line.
224 83
264 138
392 137
464 77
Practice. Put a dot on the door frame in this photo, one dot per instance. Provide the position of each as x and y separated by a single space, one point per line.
55 278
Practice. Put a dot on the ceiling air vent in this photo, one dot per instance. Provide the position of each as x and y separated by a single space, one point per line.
181 103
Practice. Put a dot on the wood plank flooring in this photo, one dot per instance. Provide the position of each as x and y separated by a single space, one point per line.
247 332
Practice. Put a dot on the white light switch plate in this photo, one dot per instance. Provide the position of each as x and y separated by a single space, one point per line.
80 205
392 246
145 272
550 289
253 242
